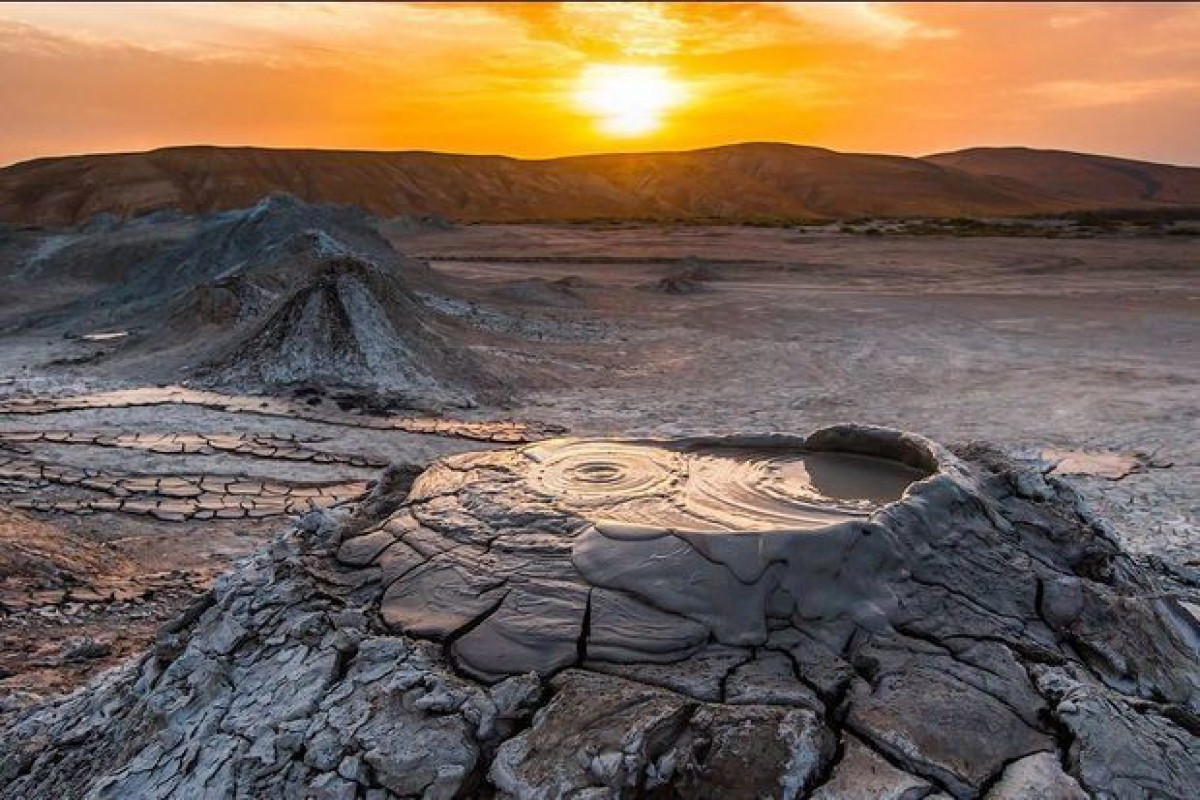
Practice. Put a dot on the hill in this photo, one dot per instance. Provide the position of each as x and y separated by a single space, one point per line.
1097 181
735 182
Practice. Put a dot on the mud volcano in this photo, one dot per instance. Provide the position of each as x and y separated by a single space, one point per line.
772 569
855 613
727 533
354 324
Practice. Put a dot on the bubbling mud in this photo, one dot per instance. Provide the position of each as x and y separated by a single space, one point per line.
715 487
644 550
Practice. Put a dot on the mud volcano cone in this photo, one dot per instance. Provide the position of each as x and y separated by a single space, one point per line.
273 244
934 609
353 324
225 302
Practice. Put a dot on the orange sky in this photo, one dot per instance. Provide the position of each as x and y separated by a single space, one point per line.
503 78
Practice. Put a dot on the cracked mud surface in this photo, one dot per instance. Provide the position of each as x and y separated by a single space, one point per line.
136 510
499 432
982 636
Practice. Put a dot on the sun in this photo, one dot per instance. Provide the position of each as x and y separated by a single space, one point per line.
629 100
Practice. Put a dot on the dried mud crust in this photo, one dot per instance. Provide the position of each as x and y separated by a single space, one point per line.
254 446
120 513
30 482
986 637
169 498
484 431
73 604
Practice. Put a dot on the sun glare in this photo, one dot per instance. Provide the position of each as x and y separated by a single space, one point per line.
628 100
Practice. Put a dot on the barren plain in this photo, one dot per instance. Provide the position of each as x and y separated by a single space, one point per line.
144 451
1087 345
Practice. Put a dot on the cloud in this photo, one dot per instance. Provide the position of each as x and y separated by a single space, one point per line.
636 29
880 24
333 31
1088 93
1075 18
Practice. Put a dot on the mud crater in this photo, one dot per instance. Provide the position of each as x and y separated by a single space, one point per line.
716 486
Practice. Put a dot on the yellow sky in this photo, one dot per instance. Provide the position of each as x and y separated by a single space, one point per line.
509 78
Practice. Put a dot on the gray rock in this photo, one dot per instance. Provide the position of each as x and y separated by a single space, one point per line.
532 630
1118 746
862 774
769 679
362 550
266 698
701 675
941 725
605 736
1036 777
86 649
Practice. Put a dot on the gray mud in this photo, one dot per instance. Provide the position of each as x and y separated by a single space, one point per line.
981 636
664 605
724 485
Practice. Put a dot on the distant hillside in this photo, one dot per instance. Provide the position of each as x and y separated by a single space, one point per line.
1095 181
740 182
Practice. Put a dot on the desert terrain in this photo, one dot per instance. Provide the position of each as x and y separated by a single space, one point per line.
600 401
749 182
179 392
1073 345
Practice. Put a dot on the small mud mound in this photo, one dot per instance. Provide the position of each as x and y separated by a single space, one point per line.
559 293
697 269
573 282
688 277
354 325
420 223
673 285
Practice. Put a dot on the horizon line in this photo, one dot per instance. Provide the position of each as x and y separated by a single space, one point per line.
603 154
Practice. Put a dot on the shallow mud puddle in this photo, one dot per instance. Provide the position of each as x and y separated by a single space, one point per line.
716 488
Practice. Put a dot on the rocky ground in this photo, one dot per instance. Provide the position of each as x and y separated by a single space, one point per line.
125 495
981 637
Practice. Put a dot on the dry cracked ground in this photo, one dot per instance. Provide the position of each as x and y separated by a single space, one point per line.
328 591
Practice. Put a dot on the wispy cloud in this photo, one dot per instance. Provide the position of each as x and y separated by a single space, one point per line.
636 29
1073 18
1086 93
883 24
339 30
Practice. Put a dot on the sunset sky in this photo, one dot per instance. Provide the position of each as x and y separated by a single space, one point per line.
546 80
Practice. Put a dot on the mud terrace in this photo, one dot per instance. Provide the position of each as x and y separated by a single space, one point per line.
980 636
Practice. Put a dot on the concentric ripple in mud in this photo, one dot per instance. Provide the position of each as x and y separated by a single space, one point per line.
715 487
